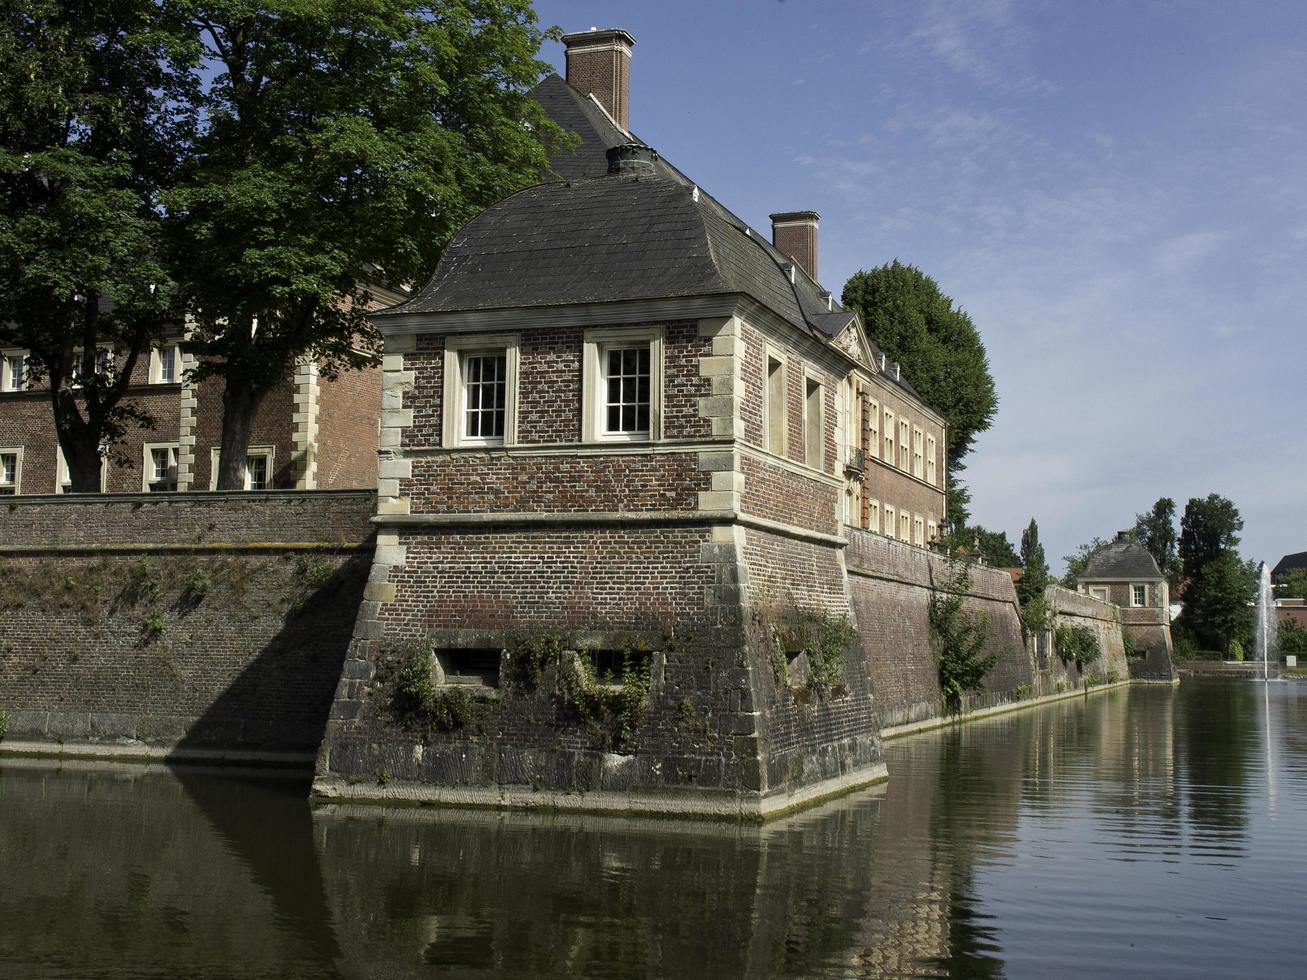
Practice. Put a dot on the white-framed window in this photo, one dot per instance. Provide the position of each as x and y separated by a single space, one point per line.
930 460
814 423
890 527
64 481
932 532
889 437
11 471
1099 592
873 440
919 531
775 421
165 365
623 385
13 371
104 362
918 453
159 467
480 400
905 446
258 467
873 515
1138 595
905 526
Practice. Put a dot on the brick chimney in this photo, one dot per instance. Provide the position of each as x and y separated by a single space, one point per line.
599 64
795 234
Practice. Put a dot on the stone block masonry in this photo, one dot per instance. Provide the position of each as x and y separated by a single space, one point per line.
198 626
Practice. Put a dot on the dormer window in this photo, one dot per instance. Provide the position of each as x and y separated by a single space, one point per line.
623 385
480 402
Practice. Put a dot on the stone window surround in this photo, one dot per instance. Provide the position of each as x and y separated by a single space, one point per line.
1134 595
6 379
156 364
873 438
918 453
147 464
813 378
593 417
904 462
889 429
452 405
268 451
873 516
932 449
891 522
17 453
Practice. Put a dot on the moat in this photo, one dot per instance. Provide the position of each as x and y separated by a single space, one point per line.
1148 831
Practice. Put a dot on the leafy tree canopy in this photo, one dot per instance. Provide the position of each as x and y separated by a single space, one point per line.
914 323
1155 530
1220 587
343 143
993 547
88 138
1292 584
1209 528
1033 585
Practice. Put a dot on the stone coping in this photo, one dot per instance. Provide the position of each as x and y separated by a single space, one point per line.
140 752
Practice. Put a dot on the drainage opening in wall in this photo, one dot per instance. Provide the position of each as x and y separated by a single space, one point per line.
469 667
613 666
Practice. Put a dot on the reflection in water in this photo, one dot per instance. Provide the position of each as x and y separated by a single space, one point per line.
1127 833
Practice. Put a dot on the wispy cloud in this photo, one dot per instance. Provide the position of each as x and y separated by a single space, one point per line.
981 40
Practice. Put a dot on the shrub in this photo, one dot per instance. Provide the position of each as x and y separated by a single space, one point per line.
1078 644
1293 639
422 704
1236 650
1128 642
957 638
1023 692
1113 676
616 710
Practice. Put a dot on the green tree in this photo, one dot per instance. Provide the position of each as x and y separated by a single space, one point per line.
1292 584
344 142
1032 588
958 636
1219 588
916 324
89 135
975 541
1155 530
1077 563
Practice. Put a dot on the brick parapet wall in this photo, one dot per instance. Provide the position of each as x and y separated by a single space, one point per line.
197 520
196 625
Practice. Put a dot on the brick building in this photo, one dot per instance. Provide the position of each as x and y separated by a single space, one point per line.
620 417
1125 573
308 433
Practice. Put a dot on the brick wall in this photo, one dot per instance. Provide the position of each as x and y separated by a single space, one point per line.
349 409
890 584
1075 609
209 623
272 426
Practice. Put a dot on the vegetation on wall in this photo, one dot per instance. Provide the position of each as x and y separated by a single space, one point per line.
419 702
958 637
1076 644
4 722
819 638
613 709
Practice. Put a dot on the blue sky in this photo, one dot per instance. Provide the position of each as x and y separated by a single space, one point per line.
1113 190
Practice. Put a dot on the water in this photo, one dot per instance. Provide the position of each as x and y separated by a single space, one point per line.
1141 832
1266 644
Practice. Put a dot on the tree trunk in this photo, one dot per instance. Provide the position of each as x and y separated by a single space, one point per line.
79 441
239 402
84 465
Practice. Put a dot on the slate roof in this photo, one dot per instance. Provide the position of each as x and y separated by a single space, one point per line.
1121 559
586 236
1288 563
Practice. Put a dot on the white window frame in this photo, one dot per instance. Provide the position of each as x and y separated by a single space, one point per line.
931 450
932 532
594 387
813 380
775 355
1134 602
918 453
905 526
873 441
17 453
873 515
457 347
156 364
891 522
267 451
918 530
147 464
891 451
905 445
61 471
1100 592
6 372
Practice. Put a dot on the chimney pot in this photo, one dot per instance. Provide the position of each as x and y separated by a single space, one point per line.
896 371
599 64
631 158
795 234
